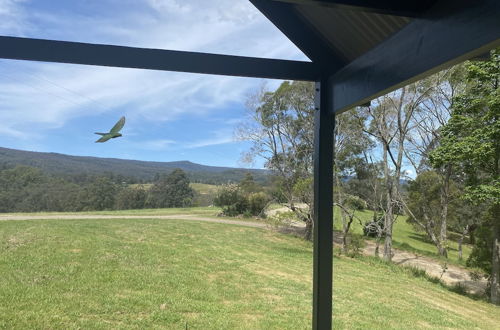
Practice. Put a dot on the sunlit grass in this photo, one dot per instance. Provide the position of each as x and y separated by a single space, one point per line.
406 237
153 273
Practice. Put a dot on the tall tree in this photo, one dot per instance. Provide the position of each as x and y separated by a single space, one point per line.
425 206
281 128
171 190
100 194
433 112
471 141
389 122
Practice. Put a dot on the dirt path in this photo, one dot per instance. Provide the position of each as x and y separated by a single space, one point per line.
453 275
166 217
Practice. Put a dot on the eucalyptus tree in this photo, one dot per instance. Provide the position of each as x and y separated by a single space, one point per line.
280 126
471 141
429 117
389 121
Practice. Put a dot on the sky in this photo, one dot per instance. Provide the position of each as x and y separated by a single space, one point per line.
51 107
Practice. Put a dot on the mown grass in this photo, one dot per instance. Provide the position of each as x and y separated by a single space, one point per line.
204 188
153 273
405 236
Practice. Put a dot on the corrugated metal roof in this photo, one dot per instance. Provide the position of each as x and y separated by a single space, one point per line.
351 33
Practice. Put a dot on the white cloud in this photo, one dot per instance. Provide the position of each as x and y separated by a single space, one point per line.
210 142
40 96
12 17
159 144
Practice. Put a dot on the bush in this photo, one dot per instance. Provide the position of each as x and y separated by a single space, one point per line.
231 200
257 202
355 246
131 198
355 202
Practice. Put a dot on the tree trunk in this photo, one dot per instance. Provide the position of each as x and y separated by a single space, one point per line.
445 197
309 231
388 222
377 245
460 242
388 218
460 253
472 239
345 230
495 264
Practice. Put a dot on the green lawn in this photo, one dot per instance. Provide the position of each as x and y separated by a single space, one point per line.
405 237
204 188
141 274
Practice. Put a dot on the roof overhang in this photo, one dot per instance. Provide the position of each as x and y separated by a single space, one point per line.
364 47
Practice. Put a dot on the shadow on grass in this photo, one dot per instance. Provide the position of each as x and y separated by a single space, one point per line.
407 247
420 237
458 288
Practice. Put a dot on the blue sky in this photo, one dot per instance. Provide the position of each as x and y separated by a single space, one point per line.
170 116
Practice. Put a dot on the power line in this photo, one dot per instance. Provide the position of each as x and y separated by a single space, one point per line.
56 85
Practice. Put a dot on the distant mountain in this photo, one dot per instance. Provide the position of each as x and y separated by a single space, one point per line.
61 164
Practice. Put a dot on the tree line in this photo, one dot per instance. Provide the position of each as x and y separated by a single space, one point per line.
440 134
28 189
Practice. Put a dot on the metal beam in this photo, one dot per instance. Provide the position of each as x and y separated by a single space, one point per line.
449 33
295 27
407 8
323 207
154 59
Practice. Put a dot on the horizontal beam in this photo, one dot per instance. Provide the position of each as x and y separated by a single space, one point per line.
154 59
406 8
449 33
286 18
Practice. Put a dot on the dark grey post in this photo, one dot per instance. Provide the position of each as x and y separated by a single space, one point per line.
324 123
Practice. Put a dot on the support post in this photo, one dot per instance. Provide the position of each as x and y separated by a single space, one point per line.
324 123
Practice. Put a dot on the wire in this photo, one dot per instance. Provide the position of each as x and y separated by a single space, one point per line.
39 89
56 85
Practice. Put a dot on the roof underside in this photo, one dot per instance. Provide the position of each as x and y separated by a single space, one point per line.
350 33
363 48
367 48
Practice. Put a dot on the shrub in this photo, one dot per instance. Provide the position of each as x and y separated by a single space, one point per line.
355 246
231 200
131 198
257 202
355 202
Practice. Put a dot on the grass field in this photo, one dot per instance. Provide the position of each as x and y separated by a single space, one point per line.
204 188
169 273
405 237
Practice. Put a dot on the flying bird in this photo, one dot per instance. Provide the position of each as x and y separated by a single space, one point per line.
114 133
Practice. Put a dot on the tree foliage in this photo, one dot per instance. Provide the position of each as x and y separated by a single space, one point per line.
28 189
171 190
471 142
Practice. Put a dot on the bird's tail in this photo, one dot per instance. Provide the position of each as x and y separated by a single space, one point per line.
100 133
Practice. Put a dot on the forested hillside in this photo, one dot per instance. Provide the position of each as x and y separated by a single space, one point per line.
141 171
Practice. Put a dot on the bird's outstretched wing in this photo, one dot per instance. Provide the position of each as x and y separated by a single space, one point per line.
118 126
104 138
